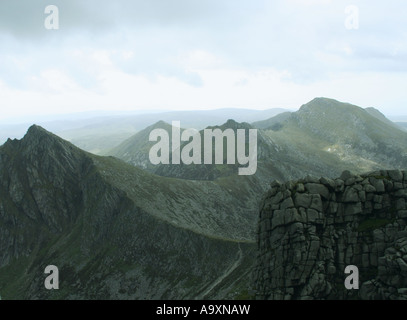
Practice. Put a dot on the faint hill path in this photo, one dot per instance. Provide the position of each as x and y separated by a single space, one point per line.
219 280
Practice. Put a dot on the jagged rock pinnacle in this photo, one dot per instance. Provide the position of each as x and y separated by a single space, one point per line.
36 130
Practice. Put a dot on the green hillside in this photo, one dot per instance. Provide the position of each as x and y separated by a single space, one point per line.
113 230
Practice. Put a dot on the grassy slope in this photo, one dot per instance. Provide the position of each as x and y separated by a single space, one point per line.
228 205
340 136
158 242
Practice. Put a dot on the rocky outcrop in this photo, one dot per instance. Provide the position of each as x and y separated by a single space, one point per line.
311 229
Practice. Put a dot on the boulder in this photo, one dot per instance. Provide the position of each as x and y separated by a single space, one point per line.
316 188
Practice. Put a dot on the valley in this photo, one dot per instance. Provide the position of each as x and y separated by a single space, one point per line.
119 227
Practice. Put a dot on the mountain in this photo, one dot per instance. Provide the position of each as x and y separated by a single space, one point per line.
119 230
324 137
116 231
214 171
135 150
377 114
102 131
272 123
275 122
347 132
106 133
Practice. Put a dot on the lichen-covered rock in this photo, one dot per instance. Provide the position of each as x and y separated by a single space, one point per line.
354 220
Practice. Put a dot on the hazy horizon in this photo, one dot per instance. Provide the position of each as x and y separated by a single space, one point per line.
93 114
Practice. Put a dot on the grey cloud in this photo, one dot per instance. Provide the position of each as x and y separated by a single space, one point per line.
24 18
249 34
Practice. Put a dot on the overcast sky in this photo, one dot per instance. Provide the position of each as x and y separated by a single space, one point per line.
206 54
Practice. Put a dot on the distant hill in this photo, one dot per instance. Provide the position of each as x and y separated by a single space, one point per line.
324 137
135 150
346 124
326 133
273 123
99 134
377 114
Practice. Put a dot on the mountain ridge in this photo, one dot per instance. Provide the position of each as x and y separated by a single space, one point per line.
64 206
336 132
99 134
120 232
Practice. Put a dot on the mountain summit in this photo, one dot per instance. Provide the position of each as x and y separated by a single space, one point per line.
342 135
113 230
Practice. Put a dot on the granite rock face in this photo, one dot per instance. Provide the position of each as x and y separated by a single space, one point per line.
311 229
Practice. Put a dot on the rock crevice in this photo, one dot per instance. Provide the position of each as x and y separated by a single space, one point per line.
311 229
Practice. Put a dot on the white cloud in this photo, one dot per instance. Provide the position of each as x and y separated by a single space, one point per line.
254 54
127 54
199 59
309 2
222 87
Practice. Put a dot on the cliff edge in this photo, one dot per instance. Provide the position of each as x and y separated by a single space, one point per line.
311 229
